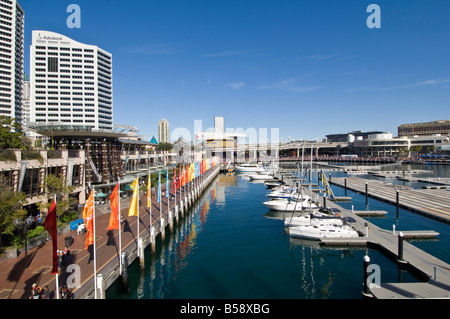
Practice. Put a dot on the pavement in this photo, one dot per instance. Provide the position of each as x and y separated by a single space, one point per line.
16 280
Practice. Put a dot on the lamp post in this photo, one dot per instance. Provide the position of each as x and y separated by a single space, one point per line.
23 225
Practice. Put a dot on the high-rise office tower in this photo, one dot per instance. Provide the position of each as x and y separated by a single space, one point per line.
163 131
11 58
71 82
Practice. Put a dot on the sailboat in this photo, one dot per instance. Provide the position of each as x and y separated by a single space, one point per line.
316 232
287 205
313 218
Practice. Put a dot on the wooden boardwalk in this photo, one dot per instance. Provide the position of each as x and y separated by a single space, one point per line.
434 203
16 280
435 272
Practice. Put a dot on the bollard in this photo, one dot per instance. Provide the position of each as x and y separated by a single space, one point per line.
366 230
400 248
435 274
353 209
367 189
325 202
100 287
163 231
141 253
397 198
170 221
124 270
366 291
152 240
345 185
393 229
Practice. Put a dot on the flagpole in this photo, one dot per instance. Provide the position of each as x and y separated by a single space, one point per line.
57 274
137 208
95 254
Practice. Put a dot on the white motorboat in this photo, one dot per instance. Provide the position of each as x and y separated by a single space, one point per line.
262 177
246 167
317 232
292 195
316 218
286 205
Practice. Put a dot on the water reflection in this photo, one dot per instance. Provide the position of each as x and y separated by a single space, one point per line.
172 257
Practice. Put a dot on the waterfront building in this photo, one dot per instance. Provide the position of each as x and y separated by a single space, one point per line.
82 156
71 82
427 128
428 143
350 137
163 131
381 145
12 19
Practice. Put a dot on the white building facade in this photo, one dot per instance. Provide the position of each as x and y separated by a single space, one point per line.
11 58
70 82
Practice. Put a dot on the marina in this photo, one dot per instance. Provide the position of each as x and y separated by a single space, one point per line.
431 273
434 203
391 243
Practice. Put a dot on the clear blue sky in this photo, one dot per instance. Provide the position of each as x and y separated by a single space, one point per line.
307 67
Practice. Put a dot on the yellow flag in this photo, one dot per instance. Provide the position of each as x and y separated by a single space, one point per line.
149 191
134 205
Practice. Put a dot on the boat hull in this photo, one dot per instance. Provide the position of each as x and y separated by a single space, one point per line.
319 232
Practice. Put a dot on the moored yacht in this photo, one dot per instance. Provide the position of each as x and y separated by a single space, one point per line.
317 232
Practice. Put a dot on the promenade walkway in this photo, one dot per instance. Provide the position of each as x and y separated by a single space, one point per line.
16 281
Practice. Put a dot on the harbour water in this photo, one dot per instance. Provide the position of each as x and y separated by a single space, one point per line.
231 247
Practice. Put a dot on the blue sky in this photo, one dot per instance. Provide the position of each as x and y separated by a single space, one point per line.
307 67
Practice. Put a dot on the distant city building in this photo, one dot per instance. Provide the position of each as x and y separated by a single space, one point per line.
220 143
71 82
11 58
219 124
163 131
426 128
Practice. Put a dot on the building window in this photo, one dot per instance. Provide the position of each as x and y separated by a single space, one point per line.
52 64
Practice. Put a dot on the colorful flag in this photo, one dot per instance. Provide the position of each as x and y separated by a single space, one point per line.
50 226
134 205
167 183
114 222
174 180
88 217
159 187
149 191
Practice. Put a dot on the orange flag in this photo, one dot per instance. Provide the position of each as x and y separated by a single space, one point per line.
88 217
114 219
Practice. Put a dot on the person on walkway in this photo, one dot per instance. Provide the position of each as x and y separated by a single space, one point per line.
66 293
36 292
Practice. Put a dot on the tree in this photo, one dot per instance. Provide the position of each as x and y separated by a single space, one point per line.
10 133
11 207
164 146
56 186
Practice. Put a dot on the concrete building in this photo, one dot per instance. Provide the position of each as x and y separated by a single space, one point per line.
12 19
350 137
423 129
71 82
381 145
163 131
